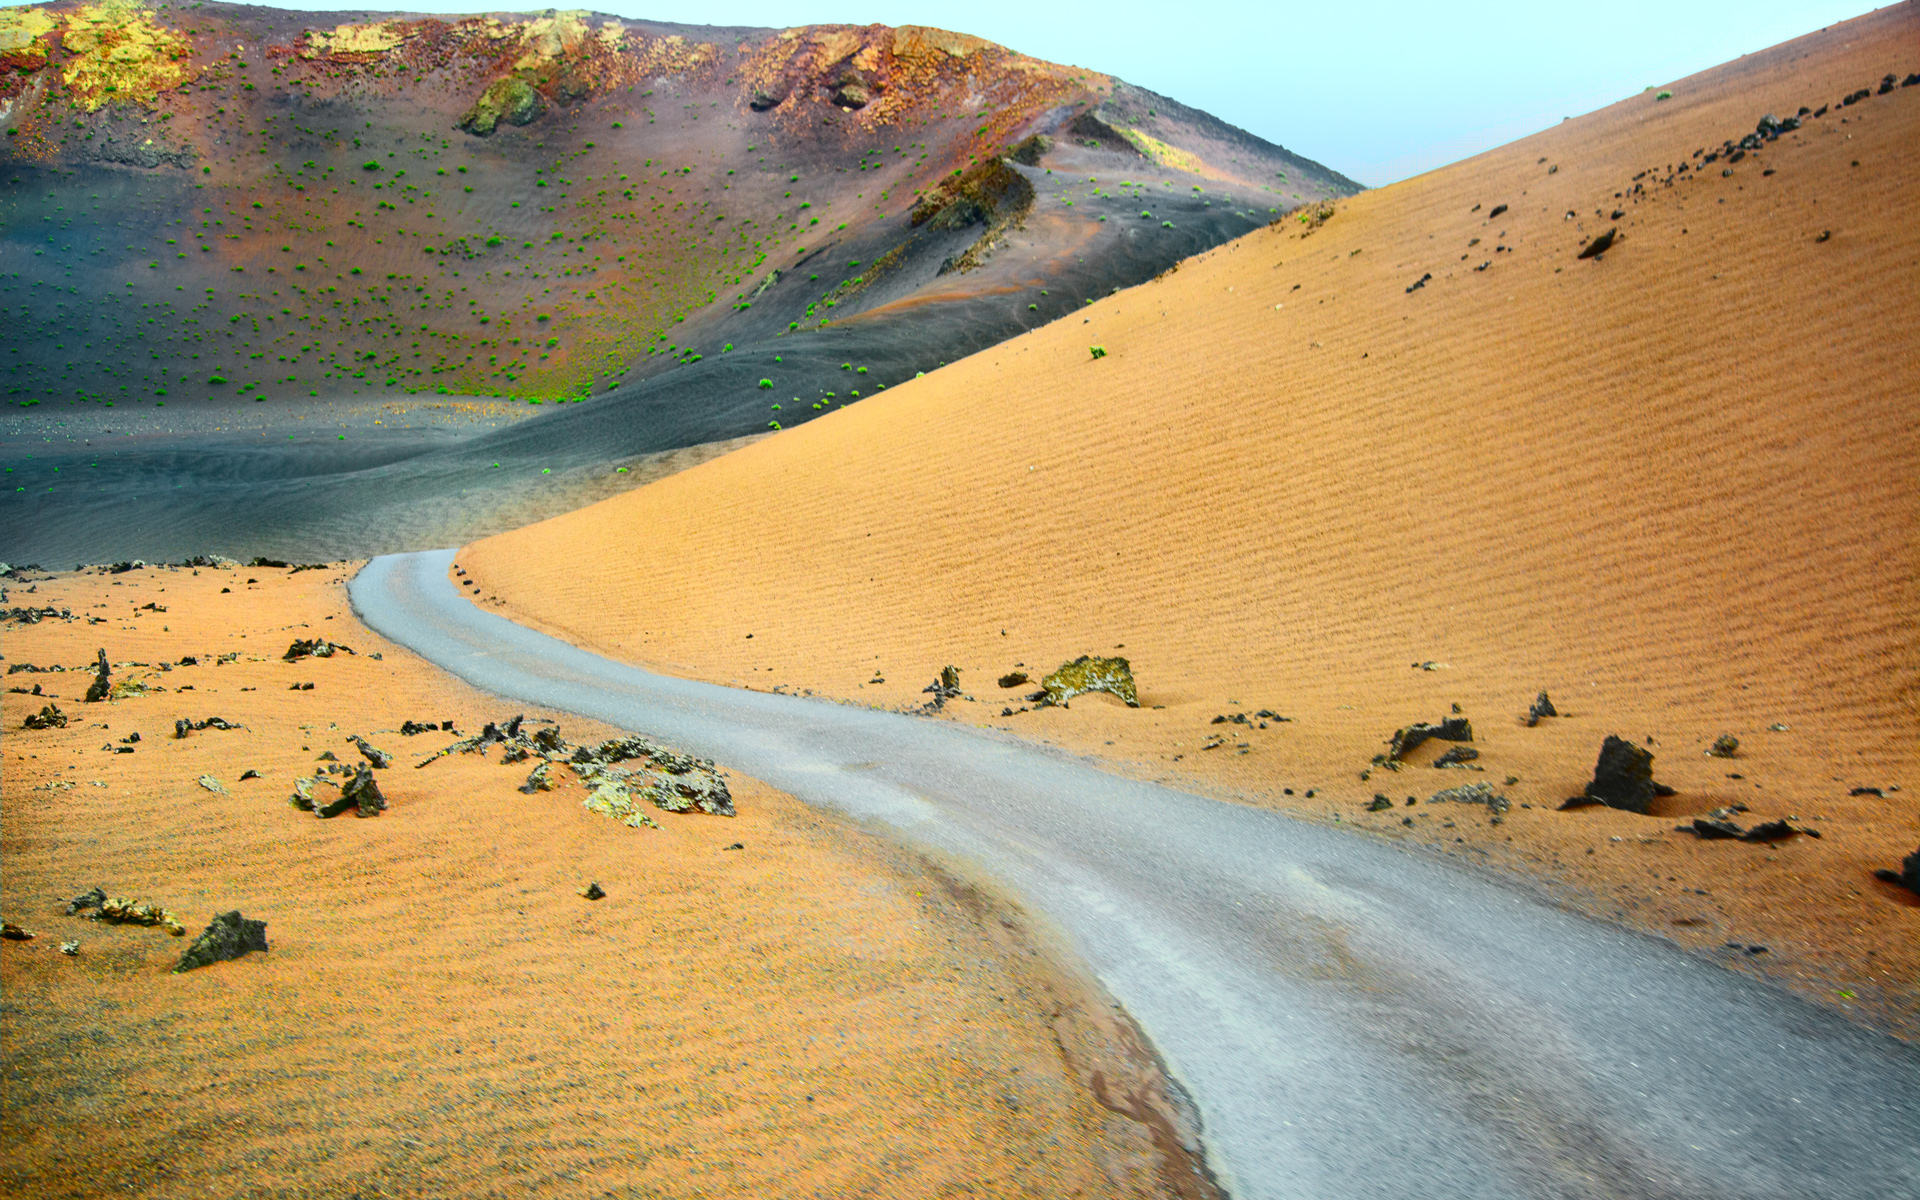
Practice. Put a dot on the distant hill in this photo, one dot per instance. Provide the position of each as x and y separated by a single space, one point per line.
230 202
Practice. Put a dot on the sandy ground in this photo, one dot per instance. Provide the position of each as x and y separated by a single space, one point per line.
809 1012
1674 486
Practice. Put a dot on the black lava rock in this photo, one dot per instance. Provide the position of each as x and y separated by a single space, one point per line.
1542 707
373 754
1909 874
1623 777
228 937
102 685
1453 729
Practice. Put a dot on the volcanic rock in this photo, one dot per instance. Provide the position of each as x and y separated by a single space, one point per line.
1711 830
118 910
49 717
1622 778
1085 674
1472 793
316 647
379 758
1908 876
86 900
102 685
362 792
229 936
1451 729
943 689
1542 707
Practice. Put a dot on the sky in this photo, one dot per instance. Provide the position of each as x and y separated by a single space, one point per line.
1377 91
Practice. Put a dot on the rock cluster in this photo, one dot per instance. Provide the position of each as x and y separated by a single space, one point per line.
49 717
943 689
118 910
361 793
183 726
1472 793
622 775
33 616
316 647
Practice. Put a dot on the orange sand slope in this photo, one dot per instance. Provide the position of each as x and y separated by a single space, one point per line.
1676 486
766 1005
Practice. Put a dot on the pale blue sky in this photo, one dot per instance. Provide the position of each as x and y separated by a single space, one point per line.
1377 91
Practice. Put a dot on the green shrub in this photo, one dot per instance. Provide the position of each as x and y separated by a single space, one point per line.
1098 351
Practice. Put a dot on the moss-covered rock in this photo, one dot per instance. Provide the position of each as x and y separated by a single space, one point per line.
1085 674
511 100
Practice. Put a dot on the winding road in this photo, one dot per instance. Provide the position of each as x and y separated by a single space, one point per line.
1350 1019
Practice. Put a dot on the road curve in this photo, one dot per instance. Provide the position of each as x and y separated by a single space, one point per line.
1350 1019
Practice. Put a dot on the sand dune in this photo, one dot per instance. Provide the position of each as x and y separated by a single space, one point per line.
1674 485
441 1013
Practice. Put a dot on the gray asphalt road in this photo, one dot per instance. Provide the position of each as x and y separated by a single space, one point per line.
1351 1020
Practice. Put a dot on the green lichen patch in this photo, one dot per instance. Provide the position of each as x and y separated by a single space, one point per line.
512 100
1088 673
120 52
23 45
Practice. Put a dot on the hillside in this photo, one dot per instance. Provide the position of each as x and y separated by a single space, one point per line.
1672 483
228 206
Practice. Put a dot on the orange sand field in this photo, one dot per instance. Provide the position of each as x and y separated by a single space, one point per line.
1675 486
441 1013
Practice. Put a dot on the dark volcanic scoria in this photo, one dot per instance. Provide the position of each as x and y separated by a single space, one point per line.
708 233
